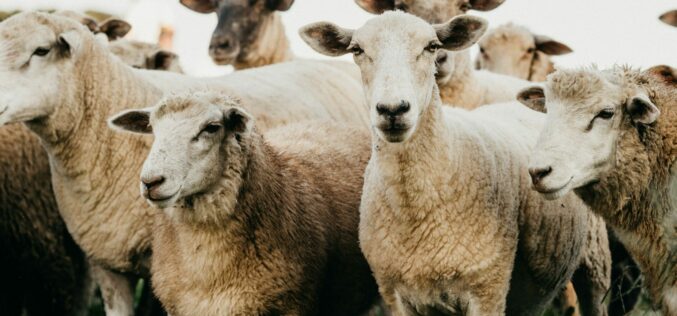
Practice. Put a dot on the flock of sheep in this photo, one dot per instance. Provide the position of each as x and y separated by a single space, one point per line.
416 182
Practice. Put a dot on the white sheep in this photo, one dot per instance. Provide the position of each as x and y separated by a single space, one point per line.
611 138
63 84
252 224
446 207
513 50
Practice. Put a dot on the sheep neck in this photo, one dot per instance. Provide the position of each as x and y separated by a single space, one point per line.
637 198
247 190
409 161
84 151
462 88
270 47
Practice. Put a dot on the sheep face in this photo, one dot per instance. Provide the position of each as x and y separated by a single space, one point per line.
511 50
240 24
38 52
142 55
199 138
587 112
433 11
396 53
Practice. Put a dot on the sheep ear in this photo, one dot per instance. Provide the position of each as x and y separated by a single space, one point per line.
279 5
115 28
68 42
201 6
533 97
670 17
327 38
485 5
135 121
461 32
665 73
90 24
376 6
162 59
237 120
642 110
550 46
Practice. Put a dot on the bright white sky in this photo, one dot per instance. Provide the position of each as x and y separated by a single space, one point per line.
600 31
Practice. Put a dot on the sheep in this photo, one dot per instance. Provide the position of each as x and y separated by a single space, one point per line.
134 53
143 55
669 17
610 138
460 85
249 33
43 271
252 224
62 83
445 242
513 50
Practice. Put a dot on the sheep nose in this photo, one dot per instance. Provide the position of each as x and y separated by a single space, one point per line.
222 43
537 174
392 110
152 182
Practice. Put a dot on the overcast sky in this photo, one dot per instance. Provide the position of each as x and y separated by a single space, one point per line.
604 32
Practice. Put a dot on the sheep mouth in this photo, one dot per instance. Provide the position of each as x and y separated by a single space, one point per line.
554 193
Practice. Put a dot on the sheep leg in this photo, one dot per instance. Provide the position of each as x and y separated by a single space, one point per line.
593 277
117 291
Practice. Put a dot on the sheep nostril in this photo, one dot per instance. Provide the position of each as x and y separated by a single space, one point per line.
537 174
153 182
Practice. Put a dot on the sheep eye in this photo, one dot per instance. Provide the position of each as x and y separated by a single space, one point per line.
401 7
605 114
356 50
466 6
41 51
482 50
433 47
211 128
531 50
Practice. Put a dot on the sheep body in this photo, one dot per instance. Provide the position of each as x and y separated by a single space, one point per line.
303 251
43 270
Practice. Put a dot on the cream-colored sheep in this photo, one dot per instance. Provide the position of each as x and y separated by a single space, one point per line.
137 54
513 50
142 55
252 224
248 34
611 138
461 86
63 83
669 17
446 208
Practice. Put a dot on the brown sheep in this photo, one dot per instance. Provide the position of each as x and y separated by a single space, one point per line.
252 225
612 139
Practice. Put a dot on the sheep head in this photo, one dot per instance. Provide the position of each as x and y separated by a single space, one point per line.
397 54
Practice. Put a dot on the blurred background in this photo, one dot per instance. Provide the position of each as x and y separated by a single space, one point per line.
604 32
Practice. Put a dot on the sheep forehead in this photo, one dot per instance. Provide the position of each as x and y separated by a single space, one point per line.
508 34
435 11
27 30
590 90
394 29
195 107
